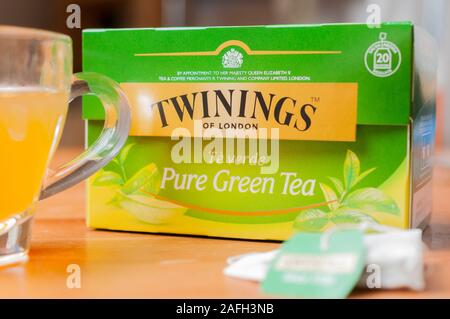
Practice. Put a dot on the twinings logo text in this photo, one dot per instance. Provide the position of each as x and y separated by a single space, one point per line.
300 111
238 104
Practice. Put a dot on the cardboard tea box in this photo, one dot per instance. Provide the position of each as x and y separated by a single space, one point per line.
260 131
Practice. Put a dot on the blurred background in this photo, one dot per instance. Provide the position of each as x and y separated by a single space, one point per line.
52 15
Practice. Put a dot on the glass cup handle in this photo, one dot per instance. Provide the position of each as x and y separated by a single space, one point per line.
105 148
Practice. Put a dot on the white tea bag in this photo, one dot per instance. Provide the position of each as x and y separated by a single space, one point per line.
394 259
252 266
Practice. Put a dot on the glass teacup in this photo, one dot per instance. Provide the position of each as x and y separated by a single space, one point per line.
36 86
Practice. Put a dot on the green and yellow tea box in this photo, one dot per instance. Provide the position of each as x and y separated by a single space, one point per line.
258 132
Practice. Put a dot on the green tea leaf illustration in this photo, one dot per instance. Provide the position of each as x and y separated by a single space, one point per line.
337 184
347 215
149 209
364 174
114 165
115 161
146 179
312 220
371 200
107 178
330 196
124 153
150 202
351 169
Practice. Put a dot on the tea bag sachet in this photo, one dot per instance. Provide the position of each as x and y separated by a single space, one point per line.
315 265
393 258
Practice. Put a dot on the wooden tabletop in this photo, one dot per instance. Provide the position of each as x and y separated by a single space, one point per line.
134 265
